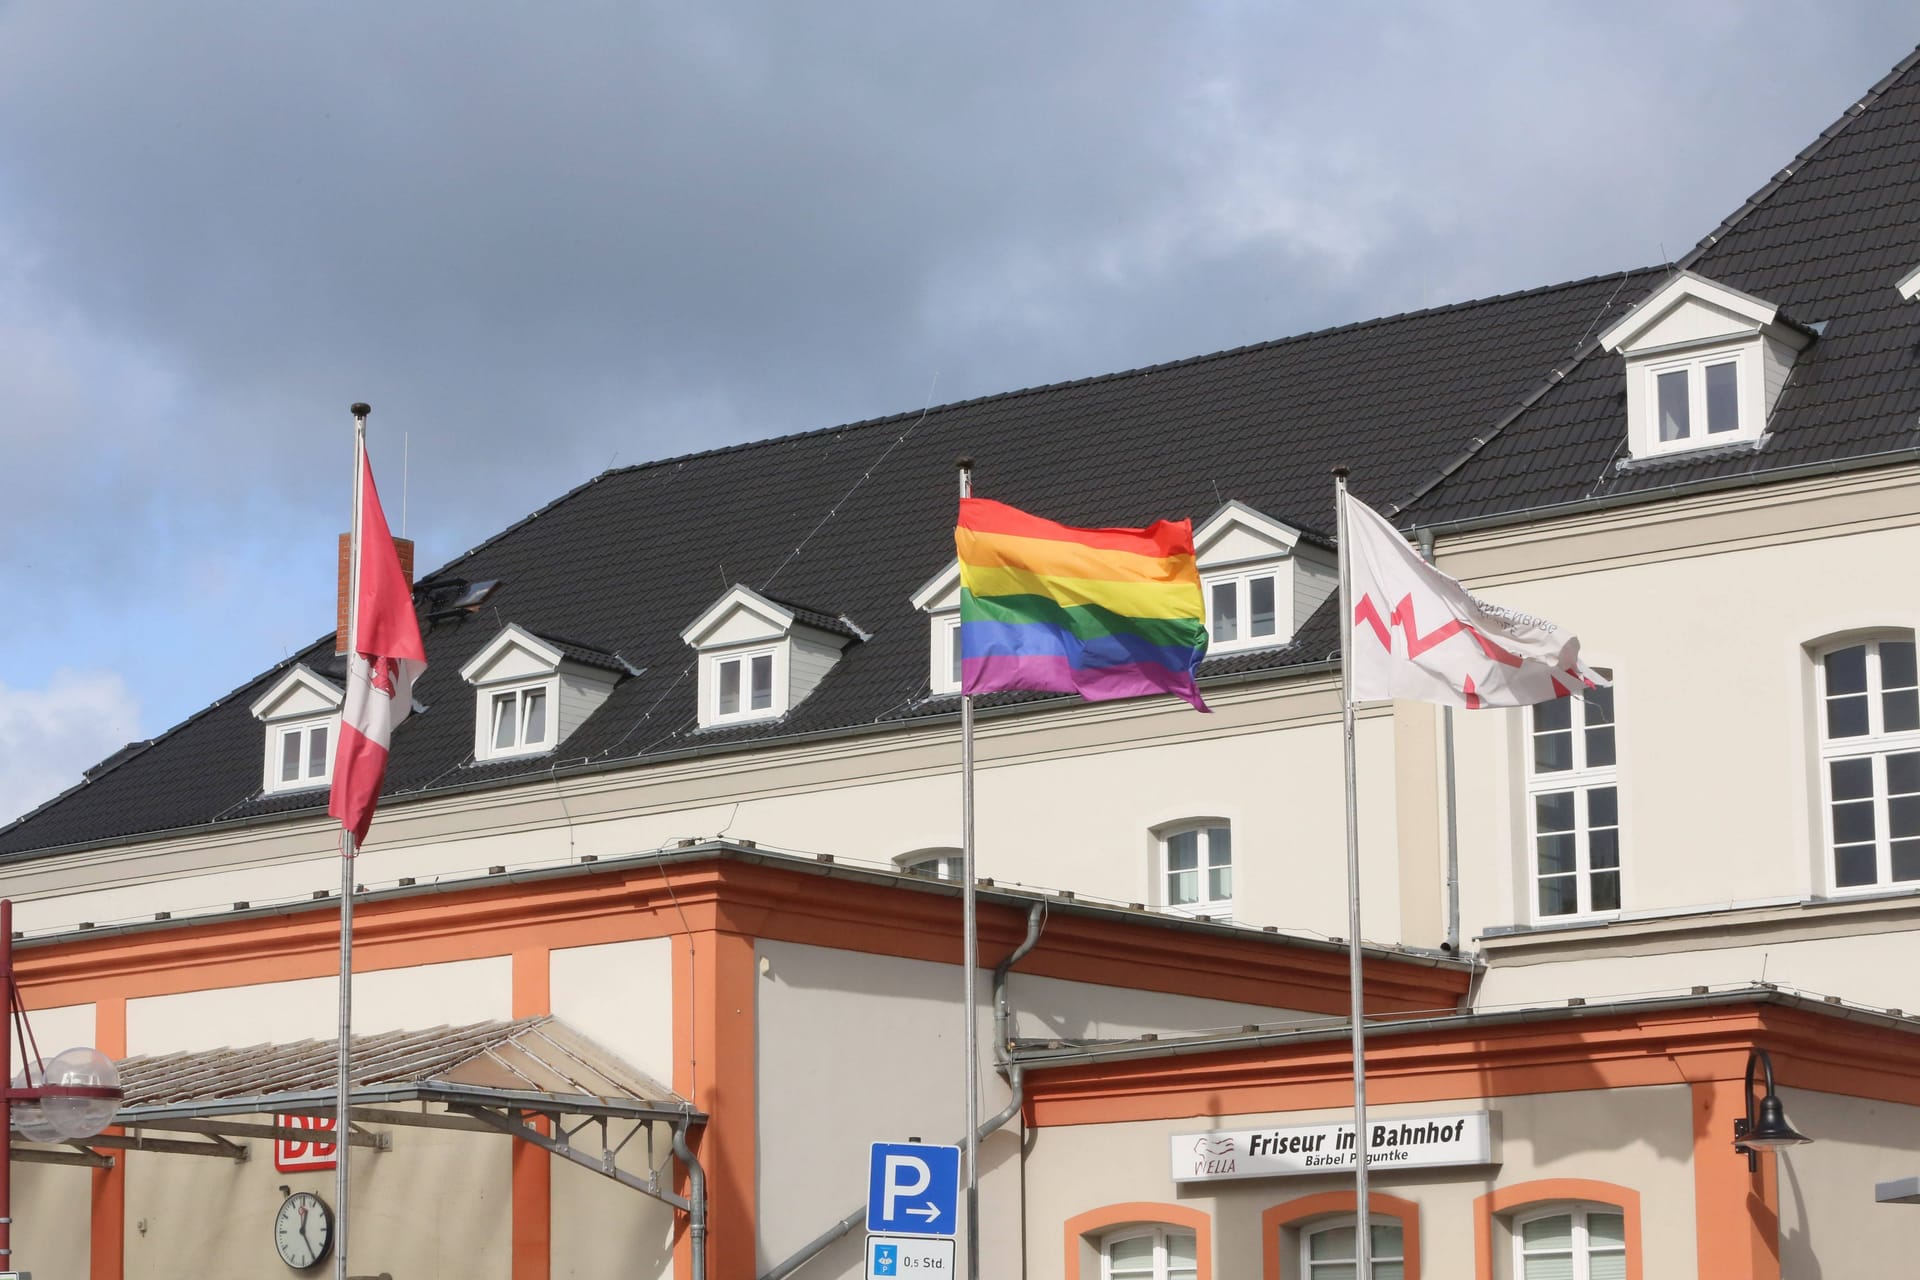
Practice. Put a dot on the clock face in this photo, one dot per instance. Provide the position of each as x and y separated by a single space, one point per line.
303 1230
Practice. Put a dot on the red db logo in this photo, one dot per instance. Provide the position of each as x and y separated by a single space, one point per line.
291 1155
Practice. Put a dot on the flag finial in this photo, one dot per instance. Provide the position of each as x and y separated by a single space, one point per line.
360 410
1339 473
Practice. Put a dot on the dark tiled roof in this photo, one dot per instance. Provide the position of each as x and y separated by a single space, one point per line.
587 655
1826 240
632 556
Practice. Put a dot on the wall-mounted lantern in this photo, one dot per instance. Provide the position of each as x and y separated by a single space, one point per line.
1768 1130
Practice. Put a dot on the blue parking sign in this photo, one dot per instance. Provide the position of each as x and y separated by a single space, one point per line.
913 1189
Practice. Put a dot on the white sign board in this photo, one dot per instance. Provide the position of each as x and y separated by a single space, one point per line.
1403 1142
890 1256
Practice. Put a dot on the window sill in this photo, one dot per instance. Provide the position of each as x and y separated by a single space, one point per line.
1735 924
1216 912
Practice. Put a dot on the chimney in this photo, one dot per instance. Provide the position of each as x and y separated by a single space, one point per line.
403 545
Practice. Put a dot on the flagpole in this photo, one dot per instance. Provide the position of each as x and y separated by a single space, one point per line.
970 954
1363 1233
343 1079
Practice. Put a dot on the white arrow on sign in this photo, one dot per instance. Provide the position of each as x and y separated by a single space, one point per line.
930 1212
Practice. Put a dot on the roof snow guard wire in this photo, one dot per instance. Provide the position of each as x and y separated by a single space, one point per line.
489 1077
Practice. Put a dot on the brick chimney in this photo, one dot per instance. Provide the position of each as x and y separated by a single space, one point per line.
403 545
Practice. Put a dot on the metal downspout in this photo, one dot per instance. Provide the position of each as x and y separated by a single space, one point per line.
1003 1062
696 1200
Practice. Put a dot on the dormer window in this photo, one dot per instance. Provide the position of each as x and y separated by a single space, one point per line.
939 599
761 657
301 712
1258 579
531 691
1704 365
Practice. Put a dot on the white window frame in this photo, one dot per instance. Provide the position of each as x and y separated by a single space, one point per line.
1241 579
1218 908
277 733
1582 1250
1876 745
943 672
935 864
1309 1231
1581 781
1159 1233
1745 360
483 738
776 706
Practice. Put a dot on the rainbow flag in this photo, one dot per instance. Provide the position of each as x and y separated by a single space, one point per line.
1105 613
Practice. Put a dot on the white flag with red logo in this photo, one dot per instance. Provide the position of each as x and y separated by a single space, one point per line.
387 658
1416 633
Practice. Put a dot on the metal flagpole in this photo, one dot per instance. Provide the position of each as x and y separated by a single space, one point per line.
1453 809
343 1080
1363 1233
970 954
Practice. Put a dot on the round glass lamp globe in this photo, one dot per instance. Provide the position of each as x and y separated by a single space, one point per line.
87 1068
29 1121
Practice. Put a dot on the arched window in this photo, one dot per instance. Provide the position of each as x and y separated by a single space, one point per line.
1559 1229
935 864
1570 1242
1328 1251
1196 868
1869 711
1149 1253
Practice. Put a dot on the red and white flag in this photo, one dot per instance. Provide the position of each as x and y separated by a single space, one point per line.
387 658
1416 633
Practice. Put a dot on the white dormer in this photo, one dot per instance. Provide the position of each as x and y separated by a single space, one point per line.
939 599
759 658
302 715
1259 581
1705 364
532 691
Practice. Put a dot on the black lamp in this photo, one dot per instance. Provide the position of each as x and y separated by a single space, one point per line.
1768 1131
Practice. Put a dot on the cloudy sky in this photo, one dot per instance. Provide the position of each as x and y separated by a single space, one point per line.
546 239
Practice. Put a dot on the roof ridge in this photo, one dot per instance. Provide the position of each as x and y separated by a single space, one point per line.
1800 160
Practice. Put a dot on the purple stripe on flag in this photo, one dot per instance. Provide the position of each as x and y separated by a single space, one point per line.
1054 674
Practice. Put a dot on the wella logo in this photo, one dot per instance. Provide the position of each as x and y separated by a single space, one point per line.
1213 1156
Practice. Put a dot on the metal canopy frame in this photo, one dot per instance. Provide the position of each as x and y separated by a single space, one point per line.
212 1124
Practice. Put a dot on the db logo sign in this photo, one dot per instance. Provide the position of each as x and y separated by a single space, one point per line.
293 1154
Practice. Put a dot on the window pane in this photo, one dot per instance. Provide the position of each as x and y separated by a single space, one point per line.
1851 779
1853 866
729 672
534 704
1183 850
953 652
1847 717
1896 664
1847 670
1260 606
1603 808
1903 816
1556 854
1219 847
290 756
1853 822
1606 891
317 752
1906 859
1606 1231
1553 811
1673 405
1900 710
1603 850
1552 752
1598 703
1549 716
1600 747
1549 1267
1903 773
1334 1243
1386 1239
1226 611
1558 896
1723 397
1546 1233
1183 888
762 681
1181 1249
1394 1270
503 725
1607 1266
1131 1257
1220 884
